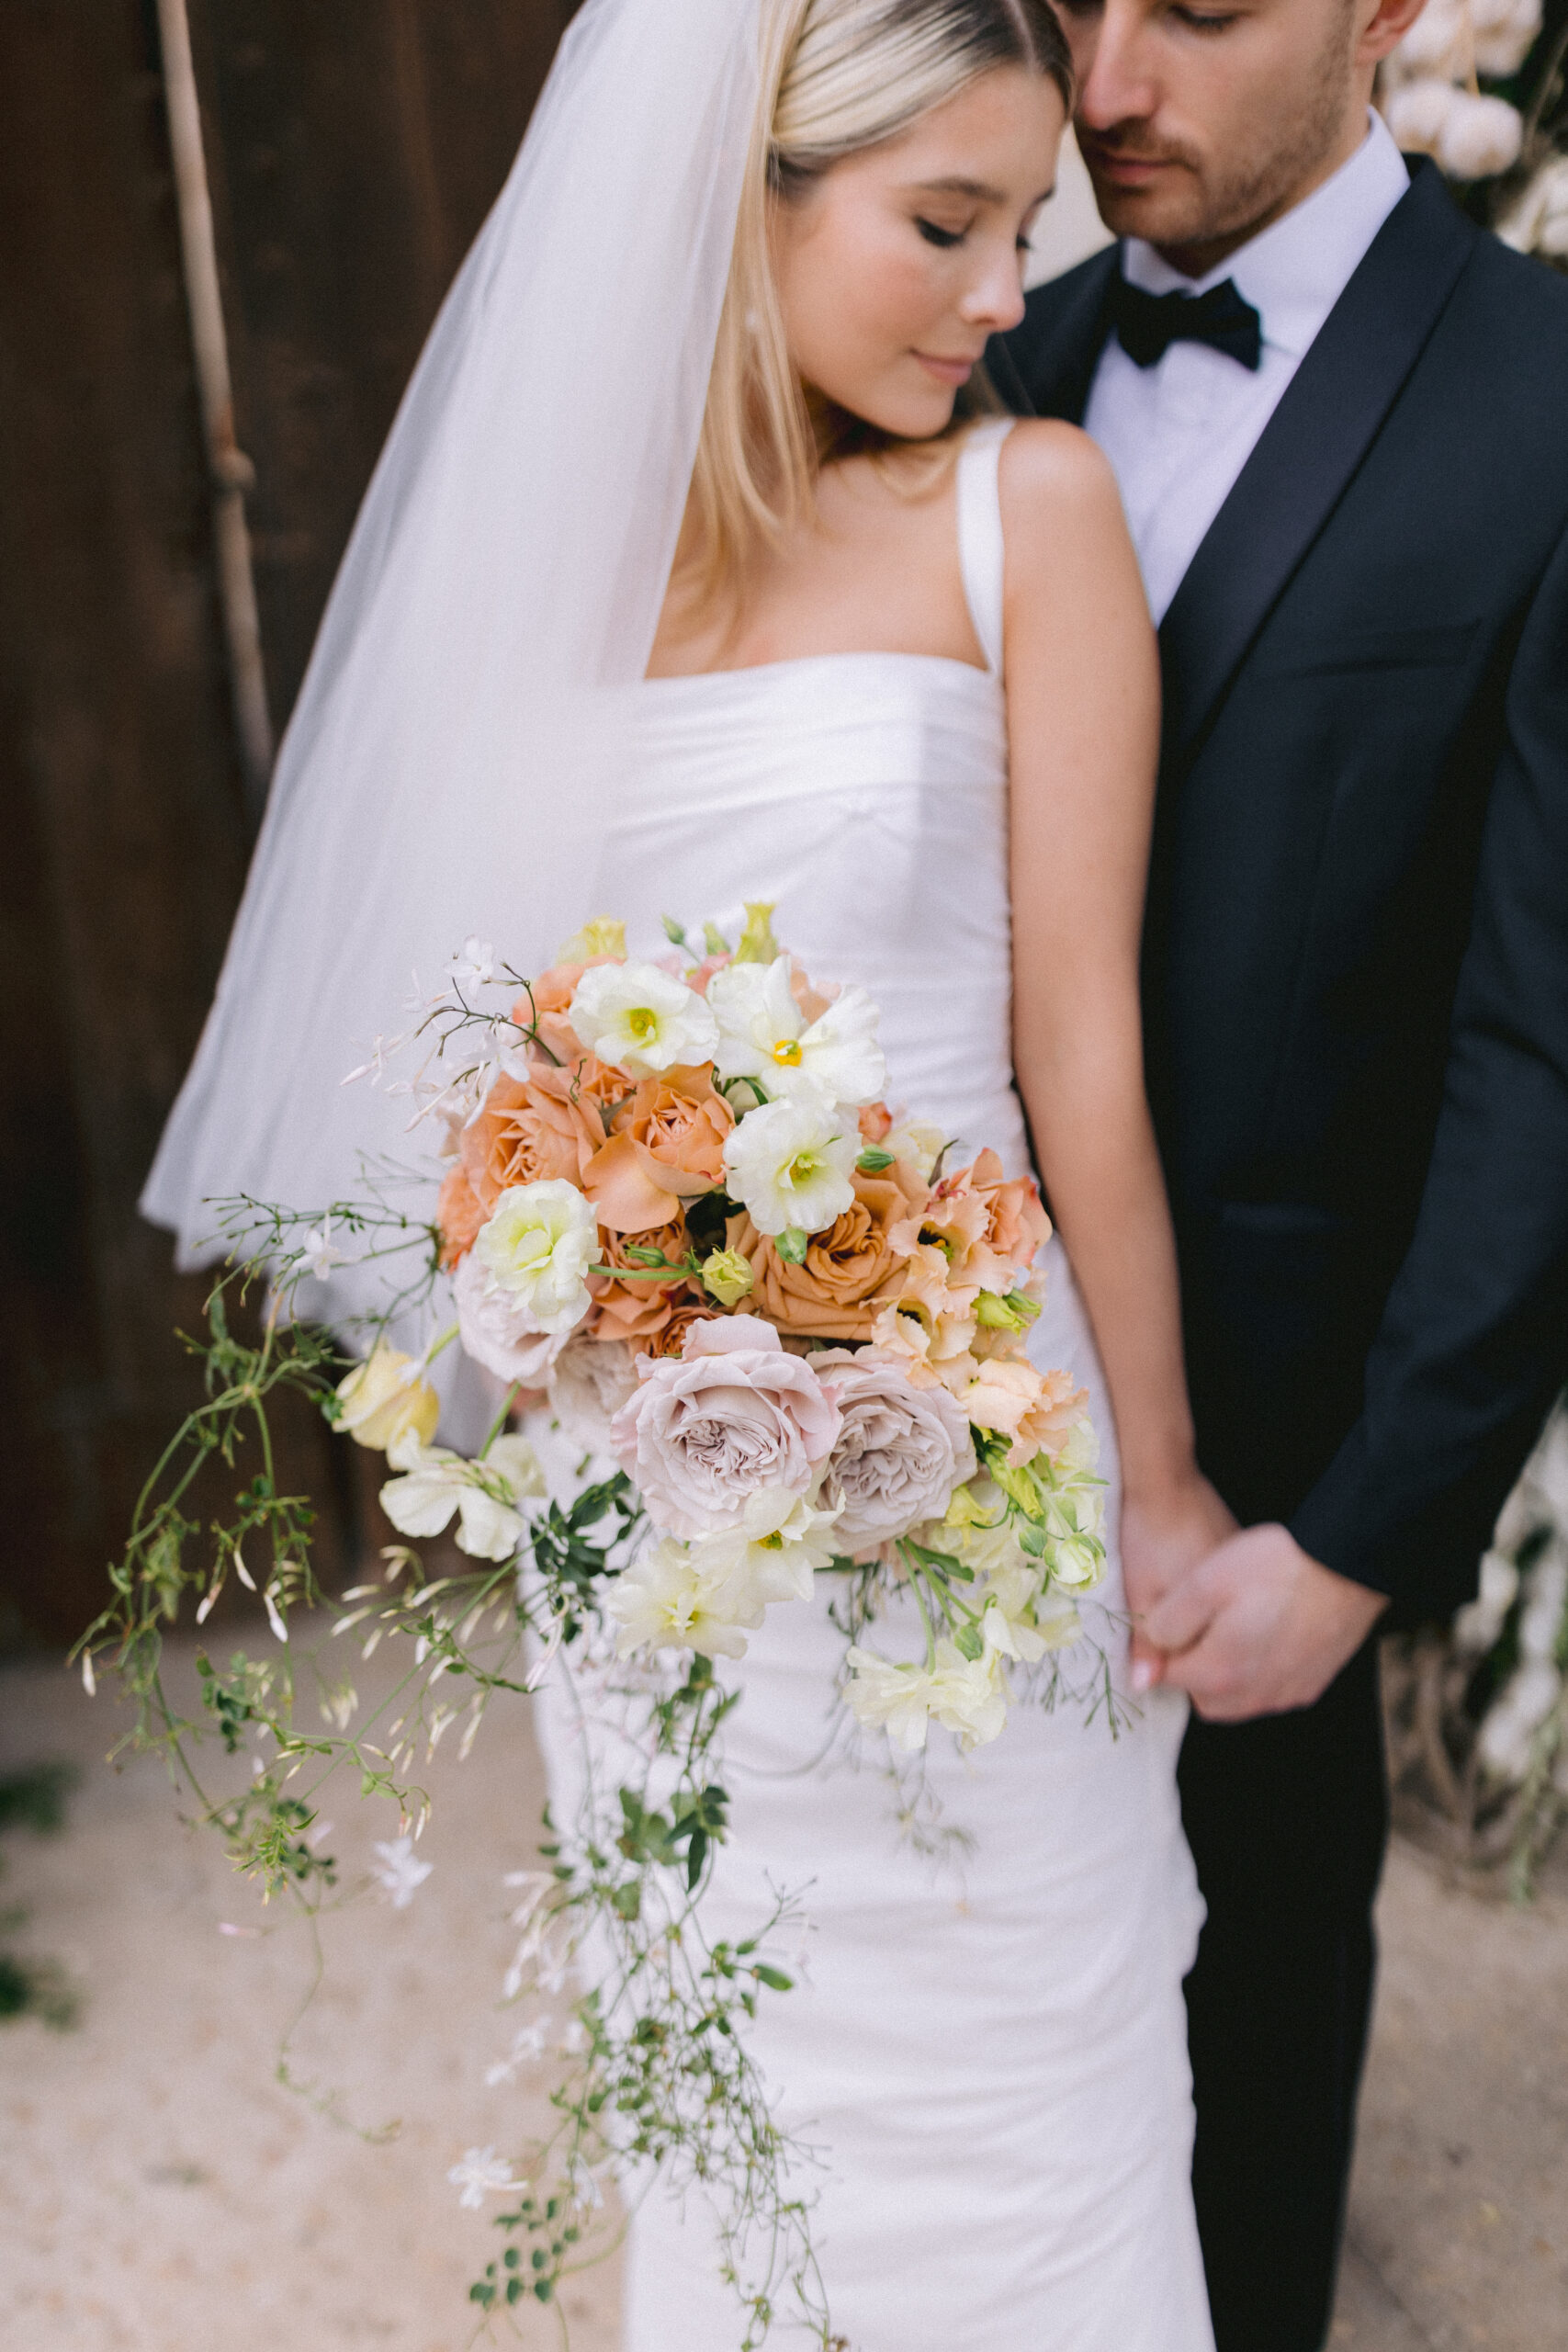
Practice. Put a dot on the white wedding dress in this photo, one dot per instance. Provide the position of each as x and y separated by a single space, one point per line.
988 2049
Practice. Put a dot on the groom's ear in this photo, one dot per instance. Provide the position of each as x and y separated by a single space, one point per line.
1382 26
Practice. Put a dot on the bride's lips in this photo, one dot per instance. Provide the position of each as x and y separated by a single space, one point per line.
947 371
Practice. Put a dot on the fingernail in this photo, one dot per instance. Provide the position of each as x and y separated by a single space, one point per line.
1143 1676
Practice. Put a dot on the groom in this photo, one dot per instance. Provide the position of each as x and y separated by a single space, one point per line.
1337 415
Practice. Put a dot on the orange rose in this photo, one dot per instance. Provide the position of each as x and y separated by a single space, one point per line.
671 1337
668 1147
875 1122
545 1004
637 1311
833 1294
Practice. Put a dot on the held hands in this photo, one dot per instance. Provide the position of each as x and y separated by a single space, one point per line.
1255 1628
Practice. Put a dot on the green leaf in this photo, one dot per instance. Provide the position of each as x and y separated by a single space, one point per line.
967 1642
774 1977
628 1899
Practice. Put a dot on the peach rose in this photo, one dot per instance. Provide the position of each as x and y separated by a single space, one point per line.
546 1003
876 1121
1037 1410
832 1292
669 1339
637 1311
927 1346
668 1147
1018 1227
460 1213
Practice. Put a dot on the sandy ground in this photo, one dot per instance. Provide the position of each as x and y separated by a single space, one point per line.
161 2191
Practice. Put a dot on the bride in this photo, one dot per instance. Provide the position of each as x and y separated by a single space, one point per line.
696 571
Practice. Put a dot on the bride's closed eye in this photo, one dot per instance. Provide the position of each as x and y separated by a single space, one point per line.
944 238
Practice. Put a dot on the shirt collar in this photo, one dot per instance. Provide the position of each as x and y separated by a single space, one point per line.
1294 271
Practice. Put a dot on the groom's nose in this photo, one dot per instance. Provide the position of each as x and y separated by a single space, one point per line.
1110 55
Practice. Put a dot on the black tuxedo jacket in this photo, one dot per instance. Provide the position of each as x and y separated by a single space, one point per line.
1357 948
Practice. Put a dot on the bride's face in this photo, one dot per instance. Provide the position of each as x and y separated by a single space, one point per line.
897 266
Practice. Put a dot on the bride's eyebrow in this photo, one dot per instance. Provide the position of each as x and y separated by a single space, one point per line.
956 184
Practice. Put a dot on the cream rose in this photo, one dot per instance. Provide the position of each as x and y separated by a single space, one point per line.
732 1414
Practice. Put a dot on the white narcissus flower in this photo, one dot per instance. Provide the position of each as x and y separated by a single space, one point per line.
764 1033
780 1544
791 1163
642 1019
482 2174
668 1600
485 1494
968 1697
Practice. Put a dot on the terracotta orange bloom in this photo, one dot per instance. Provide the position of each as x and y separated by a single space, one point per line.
668 1147
637 1311
834 1292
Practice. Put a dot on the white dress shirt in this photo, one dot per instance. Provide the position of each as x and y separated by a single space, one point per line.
1177 434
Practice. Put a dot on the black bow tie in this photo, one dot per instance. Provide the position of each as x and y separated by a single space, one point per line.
1147 325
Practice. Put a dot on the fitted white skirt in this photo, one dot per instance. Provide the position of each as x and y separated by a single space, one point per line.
986 2047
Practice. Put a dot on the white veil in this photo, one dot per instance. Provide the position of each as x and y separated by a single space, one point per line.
453 744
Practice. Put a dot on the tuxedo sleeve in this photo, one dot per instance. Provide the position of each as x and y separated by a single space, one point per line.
1474 1342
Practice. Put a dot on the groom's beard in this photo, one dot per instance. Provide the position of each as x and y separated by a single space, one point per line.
1212 196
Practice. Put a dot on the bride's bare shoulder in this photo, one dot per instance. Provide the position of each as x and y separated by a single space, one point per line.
1062 517
1052 471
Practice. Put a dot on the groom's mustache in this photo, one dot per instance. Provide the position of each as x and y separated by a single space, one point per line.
1129 143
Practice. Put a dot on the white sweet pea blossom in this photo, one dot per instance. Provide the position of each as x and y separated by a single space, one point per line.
482 2174
536 1248
668 1601
487 1496
772 1555
400 1873
792 1162
967 1696
642 1019
764 1033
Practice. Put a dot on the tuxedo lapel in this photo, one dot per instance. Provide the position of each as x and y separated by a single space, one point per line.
1045 366
1308 453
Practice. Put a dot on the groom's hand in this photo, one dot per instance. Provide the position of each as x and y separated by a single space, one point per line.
1259 1627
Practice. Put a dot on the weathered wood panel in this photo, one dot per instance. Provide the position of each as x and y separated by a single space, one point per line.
354 151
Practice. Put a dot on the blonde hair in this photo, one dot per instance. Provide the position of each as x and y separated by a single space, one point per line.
837 76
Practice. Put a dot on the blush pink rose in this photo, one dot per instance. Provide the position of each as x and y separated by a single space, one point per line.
901 1451
732 1414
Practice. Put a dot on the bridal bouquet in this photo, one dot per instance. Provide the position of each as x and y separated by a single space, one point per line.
785 1339
677 1203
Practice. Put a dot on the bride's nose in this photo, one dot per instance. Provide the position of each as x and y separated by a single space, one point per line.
995 299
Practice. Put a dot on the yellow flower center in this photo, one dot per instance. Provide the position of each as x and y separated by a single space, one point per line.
643 1024
770 1542
802 1168
787 1051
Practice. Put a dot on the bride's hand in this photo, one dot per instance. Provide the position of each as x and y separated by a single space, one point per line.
1167 1530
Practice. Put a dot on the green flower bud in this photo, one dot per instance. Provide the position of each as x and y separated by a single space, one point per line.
727 1276
757 944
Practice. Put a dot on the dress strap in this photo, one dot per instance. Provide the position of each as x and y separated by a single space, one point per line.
981 553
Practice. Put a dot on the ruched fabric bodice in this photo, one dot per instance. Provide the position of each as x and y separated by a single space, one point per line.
865 794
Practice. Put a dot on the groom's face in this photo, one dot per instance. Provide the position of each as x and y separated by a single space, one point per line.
1202 121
